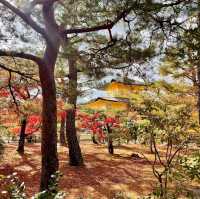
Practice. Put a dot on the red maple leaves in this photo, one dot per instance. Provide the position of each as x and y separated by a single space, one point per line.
33 125
4 92
97 123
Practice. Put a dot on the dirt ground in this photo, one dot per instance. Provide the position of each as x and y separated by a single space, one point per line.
101 177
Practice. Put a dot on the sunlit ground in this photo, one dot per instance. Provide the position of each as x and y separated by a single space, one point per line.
102 176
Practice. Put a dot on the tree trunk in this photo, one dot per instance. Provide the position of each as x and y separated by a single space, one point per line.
110 146
62 131
20 148
151 142
49 118
110 142
75 156
49 106
198 91
94 140
198 70
49 129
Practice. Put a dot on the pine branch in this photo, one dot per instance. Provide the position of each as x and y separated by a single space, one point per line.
28 76
22 55
105 25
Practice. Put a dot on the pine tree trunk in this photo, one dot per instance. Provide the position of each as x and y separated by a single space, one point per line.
198 91
110 146
110 142
198 70
198 103
49 129
49 106
94 140
62 131
75 156
20 148
49 118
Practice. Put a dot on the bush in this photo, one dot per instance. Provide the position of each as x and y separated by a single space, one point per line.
121 195
191 166
52 192
15 189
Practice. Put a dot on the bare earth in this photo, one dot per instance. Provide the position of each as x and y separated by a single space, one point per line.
101 177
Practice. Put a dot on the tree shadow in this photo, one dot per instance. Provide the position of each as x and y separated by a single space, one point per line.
101 177
104 177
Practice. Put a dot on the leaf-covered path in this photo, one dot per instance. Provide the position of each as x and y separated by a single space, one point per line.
101 177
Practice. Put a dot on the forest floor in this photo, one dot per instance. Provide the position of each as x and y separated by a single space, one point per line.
102 176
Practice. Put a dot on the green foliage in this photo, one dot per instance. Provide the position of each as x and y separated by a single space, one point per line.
121 195
169 121
191 166
52 192
47 195
15 189
3 130
167 116
129 130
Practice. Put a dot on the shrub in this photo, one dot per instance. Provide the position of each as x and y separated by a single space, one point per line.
15 189
191 166
52 192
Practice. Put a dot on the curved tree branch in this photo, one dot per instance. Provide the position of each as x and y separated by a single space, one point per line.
106 25
22 55
10 70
